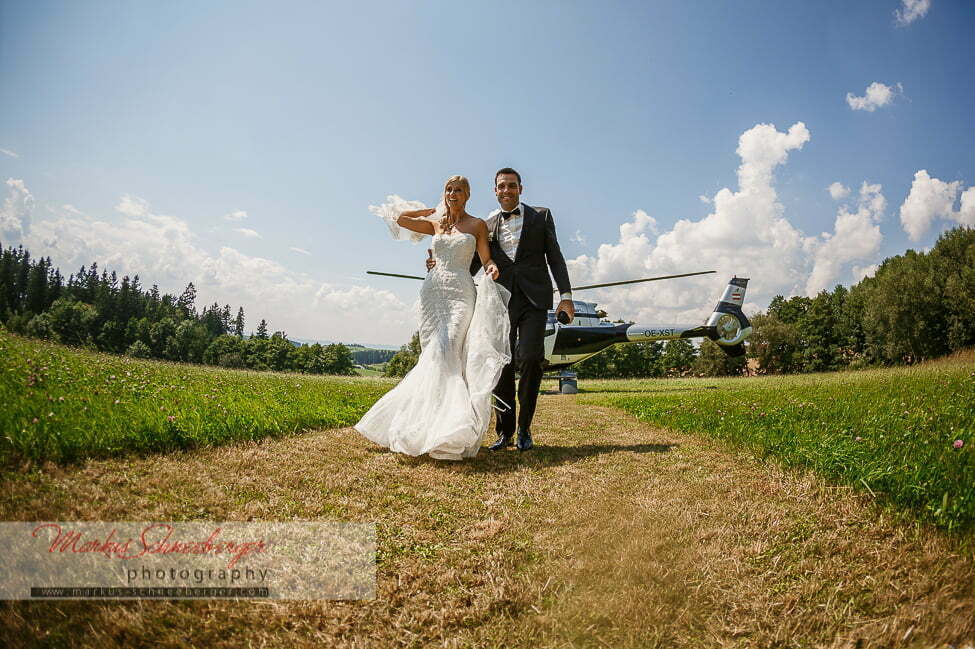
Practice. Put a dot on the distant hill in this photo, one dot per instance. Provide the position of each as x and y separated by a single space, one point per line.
351 346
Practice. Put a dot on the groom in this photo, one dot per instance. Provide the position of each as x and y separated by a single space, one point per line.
523 241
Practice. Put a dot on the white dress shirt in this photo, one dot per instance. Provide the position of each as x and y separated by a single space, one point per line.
509 234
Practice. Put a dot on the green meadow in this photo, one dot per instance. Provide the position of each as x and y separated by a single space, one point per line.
904 435
63 404
687 512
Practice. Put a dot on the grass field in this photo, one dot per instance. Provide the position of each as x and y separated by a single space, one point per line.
63 404
903 434
371 370
610 533
694 531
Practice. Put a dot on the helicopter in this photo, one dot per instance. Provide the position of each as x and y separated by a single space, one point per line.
567 343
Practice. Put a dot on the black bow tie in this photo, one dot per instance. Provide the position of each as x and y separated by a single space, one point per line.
507 215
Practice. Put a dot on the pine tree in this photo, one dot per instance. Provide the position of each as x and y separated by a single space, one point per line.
56 286
225 322
6 281
187 300
36 298
23 274
152 302
239 323
262 330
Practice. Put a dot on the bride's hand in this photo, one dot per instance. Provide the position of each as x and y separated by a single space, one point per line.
416 214
492 270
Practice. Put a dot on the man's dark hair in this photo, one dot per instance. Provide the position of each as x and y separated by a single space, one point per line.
507 170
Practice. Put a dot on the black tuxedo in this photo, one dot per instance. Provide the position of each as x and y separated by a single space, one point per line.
527 277
528 270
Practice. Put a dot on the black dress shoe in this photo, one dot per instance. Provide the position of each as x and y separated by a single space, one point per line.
502 441
524 440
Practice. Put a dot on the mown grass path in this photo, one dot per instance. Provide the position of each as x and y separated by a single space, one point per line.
611 533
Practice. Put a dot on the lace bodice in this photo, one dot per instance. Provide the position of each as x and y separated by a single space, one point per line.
454 251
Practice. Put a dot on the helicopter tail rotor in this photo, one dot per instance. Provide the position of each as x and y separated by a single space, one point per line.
728 324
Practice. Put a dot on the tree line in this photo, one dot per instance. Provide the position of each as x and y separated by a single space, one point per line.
917 306
636 360
101 312
371 356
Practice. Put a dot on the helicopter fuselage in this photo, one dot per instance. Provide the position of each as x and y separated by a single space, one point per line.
588 334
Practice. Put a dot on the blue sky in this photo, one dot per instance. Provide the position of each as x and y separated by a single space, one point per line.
239 145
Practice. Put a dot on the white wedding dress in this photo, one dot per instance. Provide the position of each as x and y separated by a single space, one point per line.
443 406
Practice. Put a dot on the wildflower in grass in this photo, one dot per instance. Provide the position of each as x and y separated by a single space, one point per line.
958 443
171 418
34 421
117 402
859 439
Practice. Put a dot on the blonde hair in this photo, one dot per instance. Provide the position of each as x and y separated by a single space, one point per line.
444 226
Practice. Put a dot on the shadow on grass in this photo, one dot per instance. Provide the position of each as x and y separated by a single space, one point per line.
542 455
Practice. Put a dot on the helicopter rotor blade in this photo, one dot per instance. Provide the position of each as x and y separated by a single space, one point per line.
574 288
376 272
636 281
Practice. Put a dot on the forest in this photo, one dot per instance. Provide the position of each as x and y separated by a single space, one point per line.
101 312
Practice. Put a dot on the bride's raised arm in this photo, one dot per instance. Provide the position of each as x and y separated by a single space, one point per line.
484 250
416 221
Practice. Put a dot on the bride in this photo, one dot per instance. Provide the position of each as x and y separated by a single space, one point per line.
443 406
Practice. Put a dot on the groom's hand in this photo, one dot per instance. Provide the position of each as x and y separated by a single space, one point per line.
567 307
431 262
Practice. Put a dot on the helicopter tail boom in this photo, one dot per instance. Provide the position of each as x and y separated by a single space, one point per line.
727 324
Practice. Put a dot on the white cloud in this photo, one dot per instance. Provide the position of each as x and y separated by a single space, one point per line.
132 206
15 215
704 199
247 232
911 10
931 199
966 215
860 272
71 209
300 250
838 191
578 238
746 234
856 235
876 95
8 152
238 215
163 249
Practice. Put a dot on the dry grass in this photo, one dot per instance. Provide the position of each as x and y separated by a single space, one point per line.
610 533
